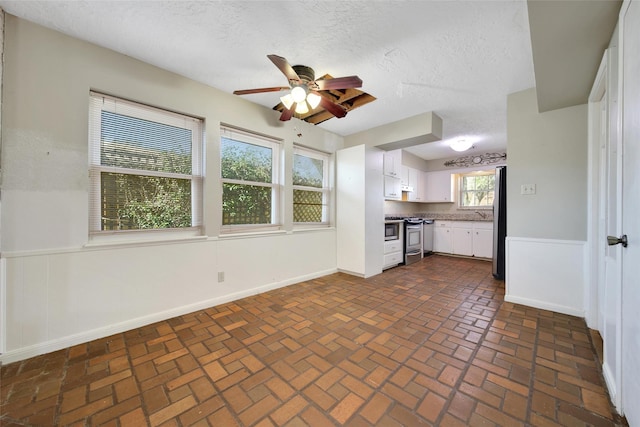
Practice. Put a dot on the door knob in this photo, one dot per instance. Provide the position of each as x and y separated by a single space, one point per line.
612 240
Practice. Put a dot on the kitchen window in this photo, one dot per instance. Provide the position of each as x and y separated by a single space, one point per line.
310 186
250 180
476 189
145 168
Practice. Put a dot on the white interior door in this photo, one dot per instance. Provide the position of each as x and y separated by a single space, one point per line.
630 65
608 217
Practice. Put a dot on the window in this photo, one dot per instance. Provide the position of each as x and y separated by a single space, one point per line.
250 180
145 167
477 189
310 186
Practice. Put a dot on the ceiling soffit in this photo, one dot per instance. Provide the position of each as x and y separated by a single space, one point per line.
568 39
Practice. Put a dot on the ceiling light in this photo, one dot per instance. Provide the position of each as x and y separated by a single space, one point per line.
298 94
287 101
460 145
302 108
314 100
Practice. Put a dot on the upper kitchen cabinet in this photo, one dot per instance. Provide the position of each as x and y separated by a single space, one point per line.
438 187
392 188
392 163
416 183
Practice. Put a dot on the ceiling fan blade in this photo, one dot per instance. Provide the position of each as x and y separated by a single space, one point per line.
284 66
260 90
332 107
287 114
339 83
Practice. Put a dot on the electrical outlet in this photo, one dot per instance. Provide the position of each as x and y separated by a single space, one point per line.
528 189
220 276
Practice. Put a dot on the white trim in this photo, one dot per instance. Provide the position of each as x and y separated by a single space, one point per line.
543 305
594 276
71 340
3 305
612 388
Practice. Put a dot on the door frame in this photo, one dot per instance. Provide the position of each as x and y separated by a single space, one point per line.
606 89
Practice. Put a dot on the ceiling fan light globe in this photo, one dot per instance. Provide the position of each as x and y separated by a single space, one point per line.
287 101
298 94
460 145
313 100
302 108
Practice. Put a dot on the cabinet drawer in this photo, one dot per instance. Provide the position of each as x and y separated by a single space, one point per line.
393 259
483 225
392 246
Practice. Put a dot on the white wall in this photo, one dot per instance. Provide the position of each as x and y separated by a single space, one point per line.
58 290
546 254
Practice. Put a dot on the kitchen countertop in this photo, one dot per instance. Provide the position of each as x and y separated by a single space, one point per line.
447 217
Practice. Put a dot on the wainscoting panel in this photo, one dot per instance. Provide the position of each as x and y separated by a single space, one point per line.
547 274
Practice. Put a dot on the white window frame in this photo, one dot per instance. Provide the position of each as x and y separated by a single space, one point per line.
460 190
325 190
275 145
100 102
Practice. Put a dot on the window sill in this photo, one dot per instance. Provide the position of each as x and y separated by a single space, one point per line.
249 234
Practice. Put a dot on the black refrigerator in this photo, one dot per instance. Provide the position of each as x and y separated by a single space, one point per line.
499 222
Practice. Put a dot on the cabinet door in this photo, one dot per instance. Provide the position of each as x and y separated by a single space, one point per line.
391 162
462 241
404 176
442 239
438 187
392 189
483 243
414 182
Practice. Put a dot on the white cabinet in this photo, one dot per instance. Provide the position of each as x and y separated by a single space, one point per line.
392 163
392 189
442 240
462 238
392 253
404 176
438 186
466 238
416 180
483 239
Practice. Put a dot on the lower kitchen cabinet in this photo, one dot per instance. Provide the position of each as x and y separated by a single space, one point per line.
442 241
462 238
483 239
392 253
466 238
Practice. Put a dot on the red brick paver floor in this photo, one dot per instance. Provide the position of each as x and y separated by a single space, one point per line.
428 344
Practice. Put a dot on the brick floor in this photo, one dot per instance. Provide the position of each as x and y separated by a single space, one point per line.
428 344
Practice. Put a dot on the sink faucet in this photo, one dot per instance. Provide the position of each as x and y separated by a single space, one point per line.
482 214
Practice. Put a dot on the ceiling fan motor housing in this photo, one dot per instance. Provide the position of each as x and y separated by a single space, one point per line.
305 73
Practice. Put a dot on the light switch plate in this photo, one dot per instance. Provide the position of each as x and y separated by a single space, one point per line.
528 189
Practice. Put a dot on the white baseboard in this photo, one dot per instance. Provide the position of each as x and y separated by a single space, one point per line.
544 305
612 388
71 340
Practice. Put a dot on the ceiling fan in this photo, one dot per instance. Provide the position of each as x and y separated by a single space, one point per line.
305 90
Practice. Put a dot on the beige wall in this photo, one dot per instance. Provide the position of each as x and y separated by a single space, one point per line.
549 150
59 291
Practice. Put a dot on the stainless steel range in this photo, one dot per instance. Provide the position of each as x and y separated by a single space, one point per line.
412 240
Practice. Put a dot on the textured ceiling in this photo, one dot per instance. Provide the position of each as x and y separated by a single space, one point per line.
458 59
